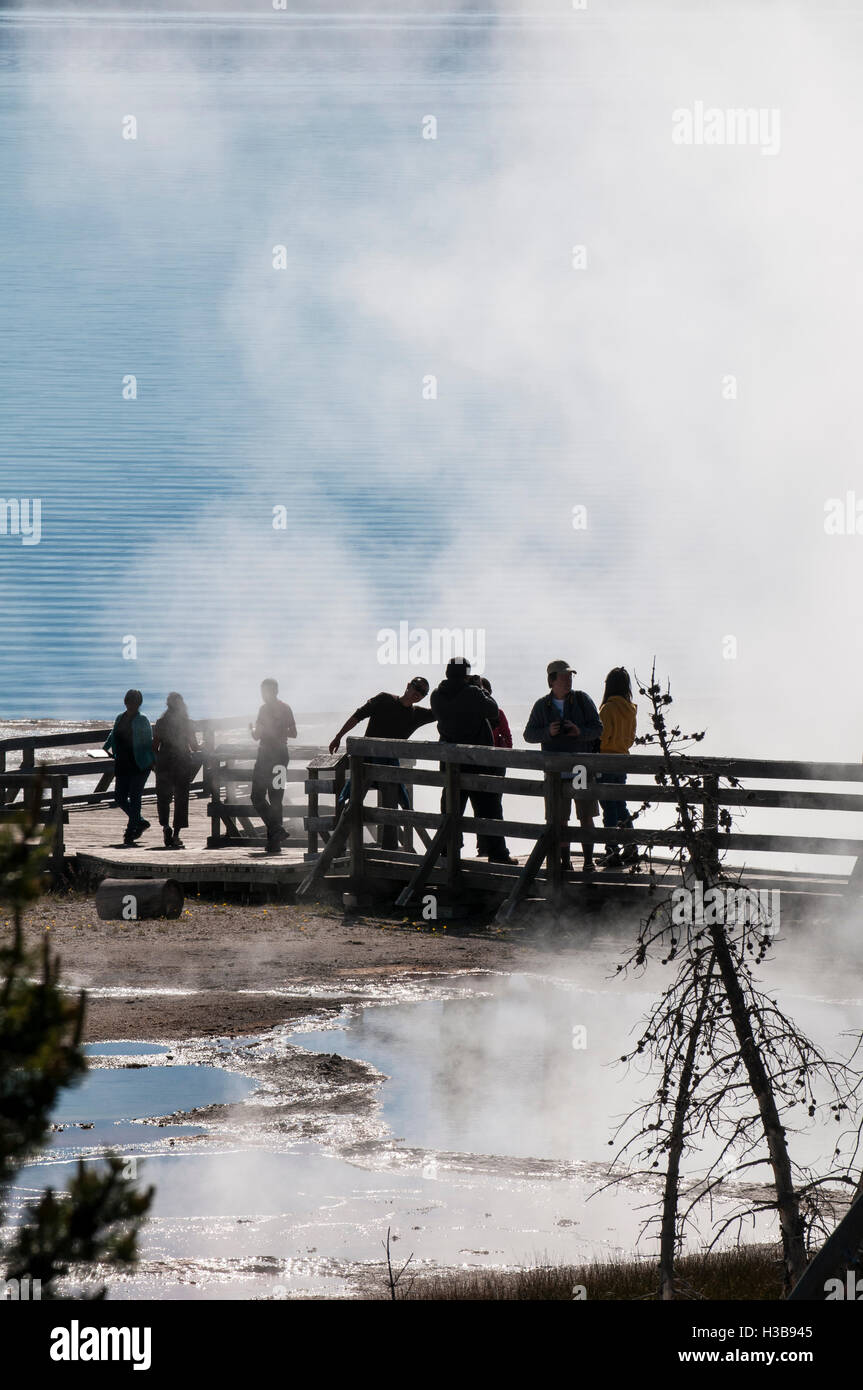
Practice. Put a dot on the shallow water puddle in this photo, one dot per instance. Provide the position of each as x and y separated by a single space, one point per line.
100 1110
125 1049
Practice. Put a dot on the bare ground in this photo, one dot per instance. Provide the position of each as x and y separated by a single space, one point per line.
217 950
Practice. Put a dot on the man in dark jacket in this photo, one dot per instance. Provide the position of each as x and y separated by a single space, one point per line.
567 721
466 714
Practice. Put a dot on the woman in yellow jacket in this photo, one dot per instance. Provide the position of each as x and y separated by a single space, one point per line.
618 715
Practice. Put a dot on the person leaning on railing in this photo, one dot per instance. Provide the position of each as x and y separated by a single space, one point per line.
466 714
389 716
567 721
502 735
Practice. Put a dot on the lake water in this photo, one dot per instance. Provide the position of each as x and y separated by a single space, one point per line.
158 564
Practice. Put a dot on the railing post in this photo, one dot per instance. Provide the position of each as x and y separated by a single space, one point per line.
356 821
453 806
312 810
57 846
554 816
209 747
215 780
406 832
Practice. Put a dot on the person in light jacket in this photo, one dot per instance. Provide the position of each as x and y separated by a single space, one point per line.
131 742
567 721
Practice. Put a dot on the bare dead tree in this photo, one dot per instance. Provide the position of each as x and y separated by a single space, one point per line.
731 1062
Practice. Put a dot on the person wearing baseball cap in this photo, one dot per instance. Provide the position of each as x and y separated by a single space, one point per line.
567 721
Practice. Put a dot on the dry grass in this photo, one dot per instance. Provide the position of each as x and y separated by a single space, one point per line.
750 1273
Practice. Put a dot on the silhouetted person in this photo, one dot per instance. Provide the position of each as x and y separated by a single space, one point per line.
502 735
566 721
272 729
389 716
131 742
465 714
501 731
176 754
618 715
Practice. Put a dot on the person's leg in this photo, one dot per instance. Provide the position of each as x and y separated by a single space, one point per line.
261 783
276 798
121 796
181 802
182 782
585 811
137 824
164 795
462 804
492 809
565 809
630 851
611 819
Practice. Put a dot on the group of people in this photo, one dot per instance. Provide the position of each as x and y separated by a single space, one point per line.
171 747
563 720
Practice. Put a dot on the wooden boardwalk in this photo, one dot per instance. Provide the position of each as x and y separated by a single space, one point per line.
225 844
94 847
94 851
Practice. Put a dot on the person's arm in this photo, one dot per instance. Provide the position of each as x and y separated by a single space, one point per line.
356 718
489 706
349 724
504 730
291 723
592 725
536 728
146 730
108 745
428 716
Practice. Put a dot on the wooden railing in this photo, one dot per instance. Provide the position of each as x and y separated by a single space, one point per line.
48 787
708 782
228 772
27 747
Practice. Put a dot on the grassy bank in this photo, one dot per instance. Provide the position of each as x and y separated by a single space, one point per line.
752 1273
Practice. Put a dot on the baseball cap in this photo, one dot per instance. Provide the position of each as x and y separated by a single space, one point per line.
557 668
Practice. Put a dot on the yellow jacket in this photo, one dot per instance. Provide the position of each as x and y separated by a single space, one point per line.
618 717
